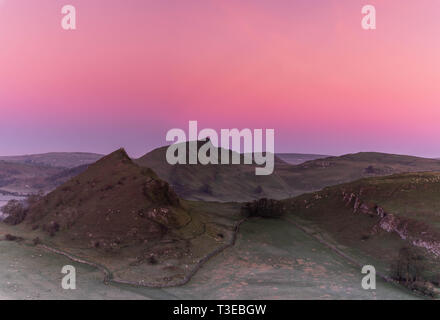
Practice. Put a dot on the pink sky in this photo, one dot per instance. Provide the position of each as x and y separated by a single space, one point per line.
136 68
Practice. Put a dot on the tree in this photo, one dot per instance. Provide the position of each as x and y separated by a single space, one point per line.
15 212
409 266
267 208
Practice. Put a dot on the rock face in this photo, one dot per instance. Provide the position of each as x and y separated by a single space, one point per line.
418 233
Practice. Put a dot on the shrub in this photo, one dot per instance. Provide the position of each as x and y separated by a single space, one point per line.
10 237
152 260
409 266
36 241
15 212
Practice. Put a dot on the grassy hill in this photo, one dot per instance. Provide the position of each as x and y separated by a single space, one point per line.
41 172
125 219
271 259
239 182
55 159
384 221
298 158
24 179
215 182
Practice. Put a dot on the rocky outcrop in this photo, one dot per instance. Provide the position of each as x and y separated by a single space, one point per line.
417 233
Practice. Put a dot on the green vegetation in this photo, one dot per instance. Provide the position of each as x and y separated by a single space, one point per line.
271 260
374 218
15 212
265 208
123 219
298 158
66 160
239 182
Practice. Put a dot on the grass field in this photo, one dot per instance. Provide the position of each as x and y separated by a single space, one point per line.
272 259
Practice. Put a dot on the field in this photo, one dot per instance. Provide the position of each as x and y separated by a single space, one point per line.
272 259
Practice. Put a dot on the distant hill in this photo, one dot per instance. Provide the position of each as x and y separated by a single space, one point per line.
378 218
239 182
24 179
41 172
298 158
121 216
55 159
215 182
317 174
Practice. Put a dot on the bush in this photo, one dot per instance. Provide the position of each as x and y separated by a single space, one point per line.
15 211
409 266
52 228
36 241
33 198
10 237
152 260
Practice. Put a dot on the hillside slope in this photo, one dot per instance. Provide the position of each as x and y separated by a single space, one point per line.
380 219
215 182
298 158
55 159
24 179
124 218
30 174
239 182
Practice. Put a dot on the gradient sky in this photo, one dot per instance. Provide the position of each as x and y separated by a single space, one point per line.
136 68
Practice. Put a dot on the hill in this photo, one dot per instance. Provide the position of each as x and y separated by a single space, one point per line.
24 179
30 174
215 182
125 219
298 158
391 222
55 159
239 182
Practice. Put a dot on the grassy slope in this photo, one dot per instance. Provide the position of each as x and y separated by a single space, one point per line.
411 206
55 159
226 182
271 259
239 183
41 172
119 215
298 158
24 178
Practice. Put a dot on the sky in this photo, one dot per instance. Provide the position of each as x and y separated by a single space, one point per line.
135 69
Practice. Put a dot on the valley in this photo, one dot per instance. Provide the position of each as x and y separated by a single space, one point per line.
183 232
271 260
